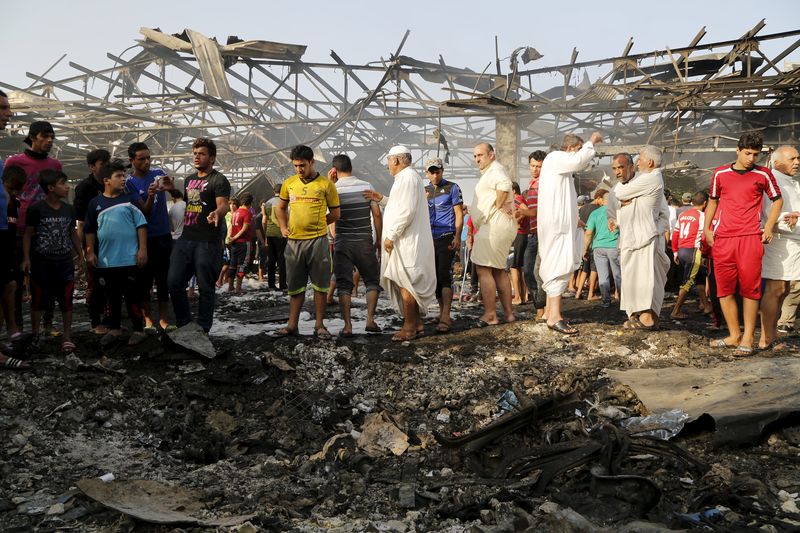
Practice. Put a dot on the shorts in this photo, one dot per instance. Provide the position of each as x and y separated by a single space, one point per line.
587 265
444 259
159 250
692 270
519 246
240 258
52 280
308 259
738 260
359 255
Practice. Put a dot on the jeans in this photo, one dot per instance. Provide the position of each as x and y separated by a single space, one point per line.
114 284
200 259
530 270
607 262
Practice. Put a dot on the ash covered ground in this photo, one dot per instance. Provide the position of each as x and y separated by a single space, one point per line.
301 434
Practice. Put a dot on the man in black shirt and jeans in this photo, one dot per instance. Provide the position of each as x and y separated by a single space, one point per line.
88 188
199 249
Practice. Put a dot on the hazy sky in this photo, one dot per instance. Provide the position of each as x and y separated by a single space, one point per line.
33 37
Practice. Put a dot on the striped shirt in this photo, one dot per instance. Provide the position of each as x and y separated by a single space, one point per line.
355 221
740 193
532 201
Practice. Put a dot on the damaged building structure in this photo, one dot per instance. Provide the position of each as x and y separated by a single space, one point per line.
510 428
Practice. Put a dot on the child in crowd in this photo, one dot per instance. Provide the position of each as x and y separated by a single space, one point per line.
241 234
687 241
48 245
13 180
116 244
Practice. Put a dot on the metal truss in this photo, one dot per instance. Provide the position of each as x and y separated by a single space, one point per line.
257 99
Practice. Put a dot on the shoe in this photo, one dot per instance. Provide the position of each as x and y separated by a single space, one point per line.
605 305
785 330
150 330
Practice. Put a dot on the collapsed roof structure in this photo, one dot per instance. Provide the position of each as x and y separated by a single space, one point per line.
257 98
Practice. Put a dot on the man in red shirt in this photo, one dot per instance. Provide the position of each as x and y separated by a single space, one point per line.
530 267
687 241
737 191
241 237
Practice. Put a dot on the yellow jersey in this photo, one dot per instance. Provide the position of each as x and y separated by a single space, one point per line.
309 202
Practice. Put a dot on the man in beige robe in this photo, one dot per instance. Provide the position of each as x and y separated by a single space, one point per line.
639 209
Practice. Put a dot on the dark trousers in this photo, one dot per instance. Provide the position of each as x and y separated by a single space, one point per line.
200 259
114 284
95 299
530 270
276 246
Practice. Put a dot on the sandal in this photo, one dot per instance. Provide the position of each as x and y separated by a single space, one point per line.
373 329
442 327
67 347
285 332
720 343
323 334
402 336
109 338
743 350
12 363
563 327
137 338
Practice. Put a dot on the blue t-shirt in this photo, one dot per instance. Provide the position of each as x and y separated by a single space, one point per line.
158 221
441 200
115 221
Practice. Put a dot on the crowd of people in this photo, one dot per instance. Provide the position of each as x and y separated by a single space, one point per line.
130 230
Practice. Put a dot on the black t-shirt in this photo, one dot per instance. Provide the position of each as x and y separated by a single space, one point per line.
586 210
201 199
87 189
52 230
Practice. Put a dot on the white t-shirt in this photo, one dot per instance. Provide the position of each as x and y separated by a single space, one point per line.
176 213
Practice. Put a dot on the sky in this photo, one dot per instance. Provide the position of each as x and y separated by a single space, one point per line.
462 32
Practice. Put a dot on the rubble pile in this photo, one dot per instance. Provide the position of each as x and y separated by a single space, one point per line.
508 428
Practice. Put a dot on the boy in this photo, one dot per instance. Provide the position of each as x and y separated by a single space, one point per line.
241 236
687 240
116 244
49 241
737 244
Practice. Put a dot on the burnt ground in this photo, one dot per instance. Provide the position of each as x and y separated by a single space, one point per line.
241 429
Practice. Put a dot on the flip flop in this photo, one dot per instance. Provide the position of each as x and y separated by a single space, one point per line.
401 336
347 335
323 334
373 329
12 363
563 327
774 345
720 343
442 327
482 324
285 332
743 349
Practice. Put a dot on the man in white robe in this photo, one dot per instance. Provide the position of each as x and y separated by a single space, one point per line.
560 243
638 207
408 270
781 262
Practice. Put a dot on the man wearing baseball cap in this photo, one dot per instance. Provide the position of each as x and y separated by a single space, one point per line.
445 207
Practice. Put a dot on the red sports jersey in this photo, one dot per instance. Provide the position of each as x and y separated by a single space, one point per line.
688 232
239 218
524 224
740 196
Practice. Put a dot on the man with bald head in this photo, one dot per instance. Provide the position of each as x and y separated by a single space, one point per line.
492 213
560 244
781 262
